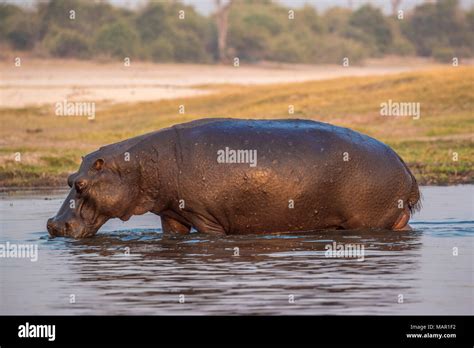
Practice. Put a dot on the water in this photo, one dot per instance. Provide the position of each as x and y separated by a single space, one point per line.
269 272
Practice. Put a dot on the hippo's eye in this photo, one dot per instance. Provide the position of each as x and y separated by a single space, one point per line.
98 164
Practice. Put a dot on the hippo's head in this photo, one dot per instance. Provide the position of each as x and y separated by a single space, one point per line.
99 191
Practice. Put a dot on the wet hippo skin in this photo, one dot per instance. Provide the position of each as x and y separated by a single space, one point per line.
234 176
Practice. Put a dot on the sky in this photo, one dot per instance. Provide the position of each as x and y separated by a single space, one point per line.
207 6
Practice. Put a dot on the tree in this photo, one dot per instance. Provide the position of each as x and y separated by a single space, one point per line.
67 43
374 25
117 39
222 20
438 28
395 6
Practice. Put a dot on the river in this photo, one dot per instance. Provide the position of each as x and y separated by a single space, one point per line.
131 268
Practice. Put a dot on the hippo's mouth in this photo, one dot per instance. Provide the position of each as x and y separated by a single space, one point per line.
91 220
89 215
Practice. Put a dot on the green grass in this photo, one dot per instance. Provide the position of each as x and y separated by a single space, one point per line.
52 146
433 162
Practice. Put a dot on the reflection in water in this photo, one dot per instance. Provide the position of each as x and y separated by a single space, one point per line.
260 280
140 271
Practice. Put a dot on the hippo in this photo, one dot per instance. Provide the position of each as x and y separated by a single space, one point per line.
229 176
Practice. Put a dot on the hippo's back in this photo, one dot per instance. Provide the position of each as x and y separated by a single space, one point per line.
286 137
231 126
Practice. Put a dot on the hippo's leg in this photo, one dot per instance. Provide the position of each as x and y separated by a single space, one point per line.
204 225
171 225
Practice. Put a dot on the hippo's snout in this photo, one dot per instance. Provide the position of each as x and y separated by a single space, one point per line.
56 228
72 228
51 227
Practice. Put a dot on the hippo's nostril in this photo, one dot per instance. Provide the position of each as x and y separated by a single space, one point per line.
80 185
51 224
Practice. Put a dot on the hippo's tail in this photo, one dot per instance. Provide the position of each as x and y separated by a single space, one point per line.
414 199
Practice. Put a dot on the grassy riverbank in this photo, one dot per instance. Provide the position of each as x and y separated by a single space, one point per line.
52 146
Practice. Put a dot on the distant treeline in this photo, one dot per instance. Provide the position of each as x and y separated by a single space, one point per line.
250 30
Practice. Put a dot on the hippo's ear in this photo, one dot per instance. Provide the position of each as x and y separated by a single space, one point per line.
98 164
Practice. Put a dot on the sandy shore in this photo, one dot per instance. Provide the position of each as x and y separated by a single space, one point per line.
39 82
